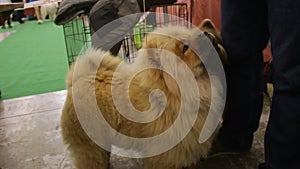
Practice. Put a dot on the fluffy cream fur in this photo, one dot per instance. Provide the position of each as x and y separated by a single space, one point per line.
49 9
88 155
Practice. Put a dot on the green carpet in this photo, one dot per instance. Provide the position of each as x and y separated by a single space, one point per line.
33 60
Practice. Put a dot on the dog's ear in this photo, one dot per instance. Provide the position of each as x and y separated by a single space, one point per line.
208 26
207 23
157 47
151 43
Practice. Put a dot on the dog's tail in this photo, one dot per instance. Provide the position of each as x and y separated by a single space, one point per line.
89 63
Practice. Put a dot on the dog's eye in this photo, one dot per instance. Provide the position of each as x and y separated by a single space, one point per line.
200 65
185 48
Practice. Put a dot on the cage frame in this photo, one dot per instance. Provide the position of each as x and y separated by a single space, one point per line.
78 32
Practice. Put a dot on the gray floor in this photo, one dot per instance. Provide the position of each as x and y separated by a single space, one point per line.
30 137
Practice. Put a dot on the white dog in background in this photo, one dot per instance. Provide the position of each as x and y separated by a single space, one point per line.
49 9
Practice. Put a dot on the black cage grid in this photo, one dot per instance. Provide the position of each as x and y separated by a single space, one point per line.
77 37
78 33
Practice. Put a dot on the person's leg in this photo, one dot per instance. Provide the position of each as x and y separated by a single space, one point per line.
19 13
282 139
245 35
43 10
38 14
9 21
5 16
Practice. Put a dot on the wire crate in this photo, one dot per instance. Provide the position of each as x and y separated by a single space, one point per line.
179 10
77 37
78 33
174 14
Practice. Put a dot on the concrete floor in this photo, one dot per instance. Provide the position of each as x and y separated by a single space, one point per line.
30 138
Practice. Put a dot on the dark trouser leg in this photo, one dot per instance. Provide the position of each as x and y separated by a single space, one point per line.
8 21
245 35
282 140
19 14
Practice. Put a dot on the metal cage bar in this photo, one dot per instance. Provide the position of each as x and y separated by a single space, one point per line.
78 33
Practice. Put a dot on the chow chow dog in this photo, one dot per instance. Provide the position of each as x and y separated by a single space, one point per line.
169 40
